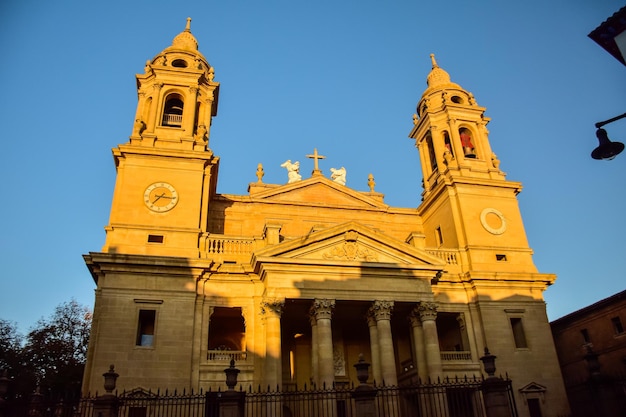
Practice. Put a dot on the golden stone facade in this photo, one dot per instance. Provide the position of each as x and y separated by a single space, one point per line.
295 280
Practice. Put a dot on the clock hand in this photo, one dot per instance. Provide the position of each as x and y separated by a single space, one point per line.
158 197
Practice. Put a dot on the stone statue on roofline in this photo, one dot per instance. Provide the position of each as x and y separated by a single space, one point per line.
338 175
293 171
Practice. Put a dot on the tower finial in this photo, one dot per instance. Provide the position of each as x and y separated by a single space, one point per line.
432 58
188 27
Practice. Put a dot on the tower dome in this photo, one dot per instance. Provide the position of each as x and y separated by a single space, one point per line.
185 40
438 77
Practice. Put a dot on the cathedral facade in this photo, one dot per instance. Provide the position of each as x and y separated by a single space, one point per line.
294 281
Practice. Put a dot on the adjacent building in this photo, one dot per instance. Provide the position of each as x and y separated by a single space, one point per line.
591 346
295 280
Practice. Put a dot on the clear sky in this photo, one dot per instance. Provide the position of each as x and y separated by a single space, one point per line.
342 76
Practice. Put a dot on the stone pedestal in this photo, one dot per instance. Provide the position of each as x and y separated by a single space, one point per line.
364 402
496 397
231 404
106 406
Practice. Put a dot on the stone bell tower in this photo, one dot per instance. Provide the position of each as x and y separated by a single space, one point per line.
166 173
467 203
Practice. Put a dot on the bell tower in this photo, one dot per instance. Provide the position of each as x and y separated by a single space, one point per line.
467 203
166 173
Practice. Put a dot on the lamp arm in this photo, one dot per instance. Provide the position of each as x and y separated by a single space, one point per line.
606 122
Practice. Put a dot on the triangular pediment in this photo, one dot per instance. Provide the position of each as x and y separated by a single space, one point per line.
533 387
350 243
318 190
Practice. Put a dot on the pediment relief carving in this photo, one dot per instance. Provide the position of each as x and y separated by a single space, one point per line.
351 251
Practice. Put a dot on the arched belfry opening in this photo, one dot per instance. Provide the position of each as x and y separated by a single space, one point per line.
431 152
447 143
467 142
173 111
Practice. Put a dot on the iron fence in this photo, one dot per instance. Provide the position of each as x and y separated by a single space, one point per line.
449 398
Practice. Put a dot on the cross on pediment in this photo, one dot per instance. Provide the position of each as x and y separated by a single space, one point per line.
316 157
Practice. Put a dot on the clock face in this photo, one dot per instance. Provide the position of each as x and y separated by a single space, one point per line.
160 197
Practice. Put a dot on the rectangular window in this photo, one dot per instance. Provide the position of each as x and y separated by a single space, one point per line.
439 236
155 238
500 257
145 328
617 325
585 335
518 333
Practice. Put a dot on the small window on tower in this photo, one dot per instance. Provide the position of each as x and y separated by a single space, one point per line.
179 63
457 100
155 238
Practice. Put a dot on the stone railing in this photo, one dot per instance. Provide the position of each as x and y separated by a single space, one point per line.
223 245
172 119
449 256
462 355
226 355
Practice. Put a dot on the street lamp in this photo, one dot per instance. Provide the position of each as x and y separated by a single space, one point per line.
607 149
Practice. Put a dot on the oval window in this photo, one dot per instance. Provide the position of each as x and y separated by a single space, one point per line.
179 63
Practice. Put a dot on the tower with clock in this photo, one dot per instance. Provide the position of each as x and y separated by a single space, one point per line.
166 173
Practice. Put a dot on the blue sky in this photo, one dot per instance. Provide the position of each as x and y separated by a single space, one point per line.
341 76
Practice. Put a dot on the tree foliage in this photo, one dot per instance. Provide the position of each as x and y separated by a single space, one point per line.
52 355
10 345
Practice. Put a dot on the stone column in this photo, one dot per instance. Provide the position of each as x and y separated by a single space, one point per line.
315 372
272 309
382 314
152 121
428 315
323 311
189 111
419 352
374 347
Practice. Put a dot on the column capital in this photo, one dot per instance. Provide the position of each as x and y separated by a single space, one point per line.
414 318
322 308
427 310
381 309
272 306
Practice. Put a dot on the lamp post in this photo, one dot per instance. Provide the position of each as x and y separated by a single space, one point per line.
607 149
